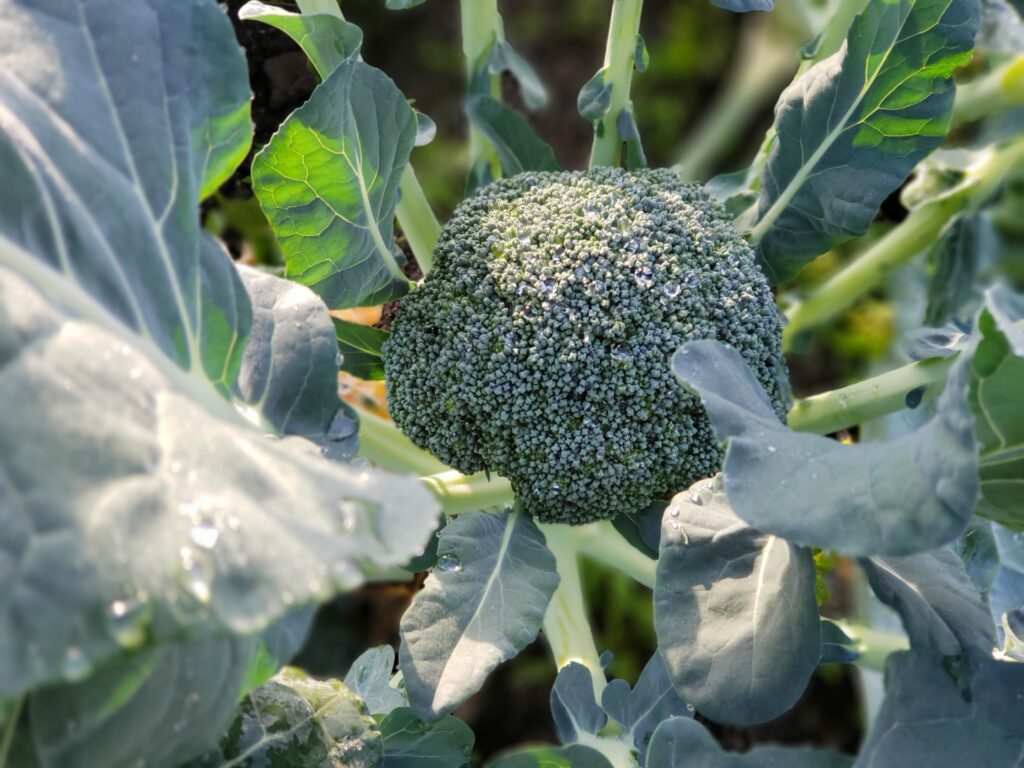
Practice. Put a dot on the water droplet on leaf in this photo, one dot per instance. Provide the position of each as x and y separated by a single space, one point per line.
449 564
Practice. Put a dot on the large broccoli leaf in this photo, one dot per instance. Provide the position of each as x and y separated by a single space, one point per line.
852 127
136 499
907 495
735 610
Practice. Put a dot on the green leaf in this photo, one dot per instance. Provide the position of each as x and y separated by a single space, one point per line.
401 5
168 704
837 647
502 57
955 260
682 743
625 125
573 756
641 58
359 347
328 182
997 372
289 371
852 127
926 719
908 495
517 145
370 679
573 706
483 603
640 710
411 743
124 331
940 607
295 720
325 39
734 610
595 97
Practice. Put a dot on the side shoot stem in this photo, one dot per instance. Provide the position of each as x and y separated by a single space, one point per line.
903 242
623 33
566 623
481 29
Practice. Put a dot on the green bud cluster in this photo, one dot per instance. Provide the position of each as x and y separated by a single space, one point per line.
539 347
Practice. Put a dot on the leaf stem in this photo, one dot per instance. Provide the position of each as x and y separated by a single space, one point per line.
992 93
417 220
383 443
566 623
623 33
481 29
601 542
460 493
903 242
873 646
869 399
7 737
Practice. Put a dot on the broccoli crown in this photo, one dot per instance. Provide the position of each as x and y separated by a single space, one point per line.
539 347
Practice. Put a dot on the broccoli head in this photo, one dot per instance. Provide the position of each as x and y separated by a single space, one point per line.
539 347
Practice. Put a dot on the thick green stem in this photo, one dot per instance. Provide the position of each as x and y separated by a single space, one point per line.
566 623
994 92
869 399
383 443
903 242
10 727
481 29
763 66
873 646
320 6
601 542
623 33
417 220
460 493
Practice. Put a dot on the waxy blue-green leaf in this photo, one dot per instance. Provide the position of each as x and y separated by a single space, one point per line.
940 607
625 125
295 720
955 260
997 372
518 147
326 39
1006 595
911 494
288 371
328 183
359 347
369 678
734 610
926 719
168 704
684 743
595 97
641 709
573 706
124 329
852 127
483 603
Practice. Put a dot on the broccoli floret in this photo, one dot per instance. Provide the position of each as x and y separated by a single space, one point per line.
539 347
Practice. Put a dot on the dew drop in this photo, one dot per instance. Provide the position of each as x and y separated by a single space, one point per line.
644 276
772 449
695 498
75 667
915 396
449 564
339 360
556 489
674 511
690 708
205 535
672 290
127 620
692 280
622 353
547 286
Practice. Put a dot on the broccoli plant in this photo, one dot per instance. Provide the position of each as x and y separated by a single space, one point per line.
588 364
